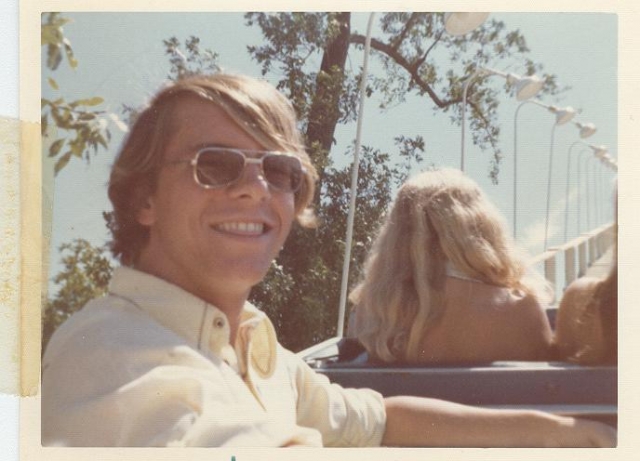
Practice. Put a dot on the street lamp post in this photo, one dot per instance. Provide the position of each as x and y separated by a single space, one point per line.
598 185
526 87
585 176
549 169
586 130
354 185
597 191
583 134
563 115
610 166
591 170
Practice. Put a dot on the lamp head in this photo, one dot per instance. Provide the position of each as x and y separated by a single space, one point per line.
459 23
609 162
563 115
526 87
586 129
599 151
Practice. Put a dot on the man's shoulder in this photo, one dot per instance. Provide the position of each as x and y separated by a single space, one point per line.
109 322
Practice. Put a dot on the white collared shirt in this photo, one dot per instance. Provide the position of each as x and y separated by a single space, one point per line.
151 365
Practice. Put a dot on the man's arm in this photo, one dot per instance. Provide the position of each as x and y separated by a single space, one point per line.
415 421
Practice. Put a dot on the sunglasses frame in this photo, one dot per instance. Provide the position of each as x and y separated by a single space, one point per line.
247 160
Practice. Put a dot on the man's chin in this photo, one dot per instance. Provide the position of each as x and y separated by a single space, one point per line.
249 275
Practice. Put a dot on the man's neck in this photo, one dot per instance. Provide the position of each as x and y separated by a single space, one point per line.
227 297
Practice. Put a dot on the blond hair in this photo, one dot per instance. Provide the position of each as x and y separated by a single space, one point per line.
439 216
256 106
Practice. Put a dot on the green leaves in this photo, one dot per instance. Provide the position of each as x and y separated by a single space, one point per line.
52 36
55 147
85 275
95 101
82 130
62 162
196 60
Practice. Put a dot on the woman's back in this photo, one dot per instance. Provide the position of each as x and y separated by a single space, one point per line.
483 322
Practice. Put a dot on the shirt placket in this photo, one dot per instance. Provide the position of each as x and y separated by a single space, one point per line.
215 337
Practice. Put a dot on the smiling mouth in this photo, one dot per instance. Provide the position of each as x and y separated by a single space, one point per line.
242 228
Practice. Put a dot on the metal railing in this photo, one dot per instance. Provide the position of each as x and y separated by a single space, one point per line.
578 255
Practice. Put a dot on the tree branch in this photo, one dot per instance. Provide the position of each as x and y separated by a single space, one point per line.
410 68
400 38
421 61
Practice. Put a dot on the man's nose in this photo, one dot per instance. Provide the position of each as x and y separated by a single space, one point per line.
252 182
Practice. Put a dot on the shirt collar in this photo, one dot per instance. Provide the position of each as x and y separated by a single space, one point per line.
202 324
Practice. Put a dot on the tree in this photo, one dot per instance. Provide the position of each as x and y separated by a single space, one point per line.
86 274
82 129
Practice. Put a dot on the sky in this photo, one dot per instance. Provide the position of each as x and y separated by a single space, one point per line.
121 59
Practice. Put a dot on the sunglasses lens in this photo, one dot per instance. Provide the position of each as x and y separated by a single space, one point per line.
283 172
219 168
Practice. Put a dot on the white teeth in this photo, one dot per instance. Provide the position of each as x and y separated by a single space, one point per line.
241 227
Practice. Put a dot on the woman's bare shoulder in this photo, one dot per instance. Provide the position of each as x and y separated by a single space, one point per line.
583 283
524 327
578 293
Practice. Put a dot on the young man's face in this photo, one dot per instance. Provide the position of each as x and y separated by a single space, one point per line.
212 240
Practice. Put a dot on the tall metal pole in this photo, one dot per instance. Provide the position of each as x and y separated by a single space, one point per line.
515 168
563 115
546 223
579 176
354 185
597 194
585 177
582 184
586 172
566 197
591 174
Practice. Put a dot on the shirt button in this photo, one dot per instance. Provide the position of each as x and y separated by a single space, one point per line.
218 322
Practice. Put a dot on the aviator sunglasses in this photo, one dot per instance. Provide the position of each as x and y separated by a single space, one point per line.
215 167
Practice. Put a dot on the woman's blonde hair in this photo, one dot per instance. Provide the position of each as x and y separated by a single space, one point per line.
439 216
256 106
